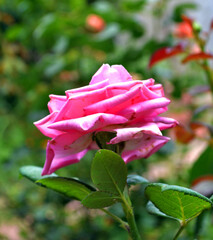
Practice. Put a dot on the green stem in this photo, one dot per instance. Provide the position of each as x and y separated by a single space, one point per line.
208 75
206 67
133 230
127 207
179 232
123 224
199 225
131 226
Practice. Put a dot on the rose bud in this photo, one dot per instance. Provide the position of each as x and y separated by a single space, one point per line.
95 23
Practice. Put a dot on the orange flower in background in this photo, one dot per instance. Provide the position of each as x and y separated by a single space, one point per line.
186 133
95 23
184 29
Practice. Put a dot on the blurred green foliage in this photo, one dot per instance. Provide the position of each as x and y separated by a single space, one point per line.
47 47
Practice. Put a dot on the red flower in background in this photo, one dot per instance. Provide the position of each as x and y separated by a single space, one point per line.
195 50
184 29
95 23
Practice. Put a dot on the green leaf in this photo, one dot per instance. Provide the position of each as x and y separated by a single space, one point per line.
109 172
61 44
133 5
111 30
99 200
33 173
134 179
69 187
154 210
203 166
181 9
55 67
178 202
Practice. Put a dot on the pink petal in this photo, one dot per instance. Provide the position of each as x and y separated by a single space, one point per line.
119 74
76 104
74 107
158 88
65 149
88 123
111 103
58 163
49 158
134 132
105 87
43 124
141 140
88 88
143 147
165 123
101 74
114 74
153 92
150 108
149 82
56 102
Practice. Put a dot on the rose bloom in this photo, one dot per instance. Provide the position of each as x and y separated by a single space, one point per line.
112 102
95 23
183 30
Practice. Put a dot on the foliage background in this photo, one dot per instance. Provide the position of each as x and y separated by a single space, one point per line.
47 47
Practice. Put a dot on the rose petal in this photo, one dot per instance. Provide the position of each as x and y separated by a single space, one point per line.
101 74
143 147
165 122
119 74
111 103
43 124
65 149
158 89
63 162
56 102
88 88
151 92
141 141
114 74
149 82
88 123
134 132
75 106
49 158
93 89
150 108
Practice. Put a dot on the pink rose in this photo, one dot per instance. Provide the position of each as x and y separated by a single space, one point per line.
112 102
